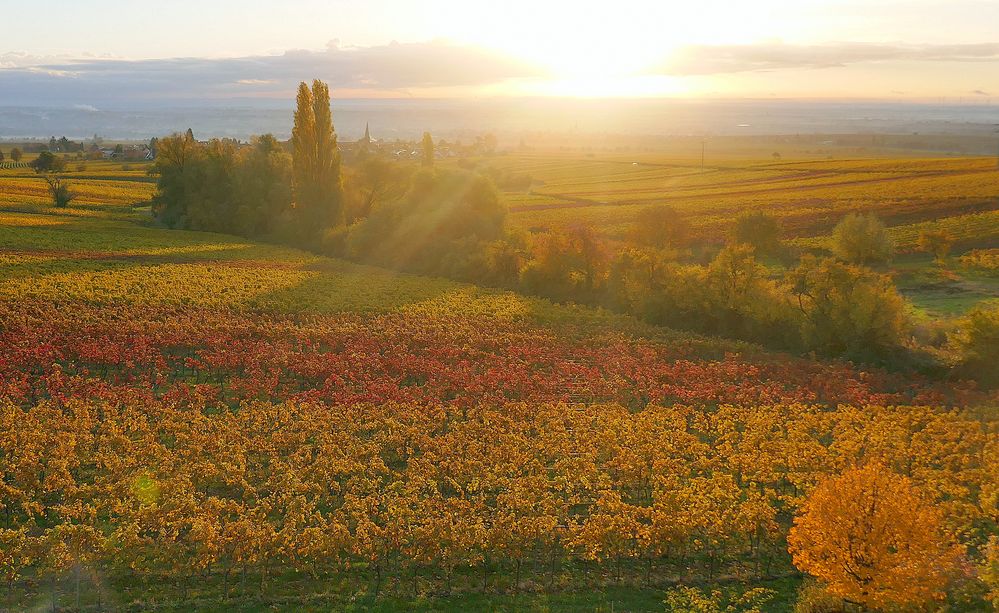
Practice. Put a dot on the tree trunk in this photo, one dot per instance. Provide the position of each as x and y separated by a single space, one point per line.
516 584
551 570
76 581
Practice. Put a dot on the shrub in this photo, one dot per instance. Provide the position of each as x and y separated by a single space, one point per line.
661 227
982 260
61 194
744 302
694 600
814 598
567 265
759 230
848 311
975 341
936 242
862 239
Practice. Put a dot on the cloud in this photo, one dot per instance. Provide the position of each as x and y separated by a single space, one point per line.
723 59
980 92
393 68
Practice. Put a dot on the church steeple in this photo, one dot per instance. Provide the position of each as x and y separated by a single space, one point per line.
367 135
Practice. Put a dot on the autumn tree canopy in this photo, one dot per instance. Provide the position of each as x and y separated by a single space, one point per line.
874 539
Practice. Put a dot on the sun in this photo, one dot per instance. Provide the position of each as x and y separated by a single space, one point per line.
606 48
585 48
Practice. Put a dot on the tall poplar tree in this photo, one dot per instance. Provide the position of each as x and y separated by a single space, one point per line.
316 169
304 148
428 150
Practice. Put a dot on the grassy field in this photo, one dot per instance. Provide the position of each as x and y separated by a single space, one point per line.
287 593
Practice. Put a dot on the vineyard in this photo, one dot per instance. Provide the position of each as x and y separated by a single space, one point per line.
982 259
195 421
809 197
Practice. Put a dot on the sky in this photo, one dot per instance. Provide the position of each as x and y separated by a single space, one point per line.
98 52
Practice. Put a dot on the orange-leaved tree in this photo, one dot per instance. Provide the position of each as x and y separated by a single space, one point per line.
874 539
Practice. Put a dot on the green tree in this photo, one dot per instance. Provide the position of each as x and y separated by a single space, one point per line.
1 155
373 182
743 301
47 162
759 230
211 190
16 155
178 176
262 187
862 239
49 165
221 186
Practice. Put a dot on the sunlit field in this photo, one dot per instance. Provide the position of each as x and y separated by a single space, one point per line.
808 197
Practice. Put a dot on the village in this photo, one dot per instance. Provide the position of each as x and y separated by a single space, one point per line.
99 148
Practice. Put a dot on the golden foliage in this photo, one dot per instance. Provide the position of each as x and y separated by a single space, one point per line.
874 538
